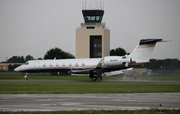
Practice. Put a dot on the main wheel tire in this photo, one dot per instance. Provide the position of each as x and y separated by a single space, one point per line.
99 78
94 78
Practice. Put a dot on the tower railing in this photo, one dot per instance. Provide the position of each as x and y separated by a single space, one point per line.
100 24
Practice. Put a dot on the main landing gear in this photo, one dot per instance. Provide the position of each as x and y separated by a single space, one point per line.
95 76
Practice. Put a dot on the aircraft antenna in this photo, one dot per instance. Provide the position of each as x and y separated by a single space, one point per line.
85 4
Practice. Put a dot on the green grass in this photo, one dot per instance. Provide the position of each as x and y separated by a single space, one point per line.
28 87
147 78
152 111
43 76
38 76
82 84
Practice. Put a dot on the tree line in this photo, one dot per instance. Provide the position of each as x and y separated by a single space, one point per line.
162 66
51 54
166 64
56 53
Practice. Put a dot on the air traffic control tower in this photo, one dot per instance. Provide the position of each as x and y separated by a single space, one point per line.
92 37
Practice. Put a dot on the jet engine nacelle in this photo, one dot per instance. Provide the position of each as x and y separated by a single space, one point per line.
116 60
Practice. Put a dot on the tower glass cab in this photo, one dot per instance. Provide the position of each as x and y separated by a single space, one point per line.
93 16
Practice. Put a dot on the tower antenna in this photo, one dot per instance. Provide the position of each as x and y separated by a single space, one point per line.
103 5
90 4
85 4
96 5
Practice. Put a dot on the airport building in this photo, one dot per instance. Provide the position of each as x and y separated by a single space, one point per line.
5 66
92 37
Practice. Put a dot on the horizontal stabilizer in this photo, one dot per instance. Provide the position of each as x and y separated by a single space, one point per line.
117 72
165 41
149 41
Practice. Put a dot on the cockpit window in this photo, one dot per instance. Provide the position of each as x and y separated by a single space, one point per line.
124 57
26 63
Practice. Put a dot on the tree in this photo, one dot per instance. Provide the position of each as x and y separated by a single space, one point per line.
58 54
29 57
12 67
16 59
166 64
39 58
118 52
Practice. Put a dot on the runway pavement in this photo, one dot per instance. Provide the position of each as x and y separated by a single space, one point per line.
55 102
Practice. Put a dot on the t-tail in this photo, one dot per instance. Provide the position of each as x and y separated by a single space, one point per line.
142 53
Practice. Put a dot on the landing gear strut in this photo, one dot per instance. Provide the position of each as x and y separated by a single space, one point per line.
26 77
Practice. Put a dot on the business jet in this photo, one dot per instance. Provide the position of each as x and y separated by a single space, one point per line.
95 67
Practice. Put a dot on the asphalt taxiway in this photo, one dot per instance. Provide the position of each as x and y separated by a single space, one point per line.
55 102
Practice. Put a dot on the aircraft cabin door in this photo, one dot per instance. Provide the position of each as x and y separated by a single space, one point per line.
36 65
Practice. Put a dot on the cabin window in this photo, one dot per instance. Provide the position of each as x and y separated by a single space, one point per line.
50 65
70 64
44 65
124 57
57 64
63 64
77 64
83 64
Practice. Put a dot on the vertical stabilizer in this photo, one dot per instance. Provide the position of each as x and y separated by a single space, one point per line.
142 53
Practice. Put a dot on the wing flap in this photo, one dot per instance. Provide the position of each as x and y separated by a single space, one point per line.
117 72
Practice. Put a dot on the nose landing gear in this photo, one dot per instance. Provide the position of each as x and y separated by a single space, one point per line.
26 77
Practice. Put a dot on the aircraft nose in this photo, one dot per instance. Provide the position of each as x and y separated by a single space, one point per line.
17 69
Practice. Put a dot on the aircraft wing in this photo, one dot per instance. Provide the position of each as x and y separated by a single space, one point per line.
117 72
82 71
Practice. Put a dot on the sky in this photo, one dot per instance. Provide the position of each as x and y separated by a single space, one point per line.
32 27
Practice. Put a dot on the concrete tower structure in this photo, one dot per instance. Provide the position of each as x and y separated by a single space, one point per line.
92 38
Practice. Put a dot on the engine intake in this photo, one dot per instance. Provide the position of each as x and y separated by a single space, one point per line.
116 60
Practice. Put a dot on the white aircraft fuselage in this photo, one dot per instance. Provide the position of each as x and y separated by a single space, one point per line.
109 65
